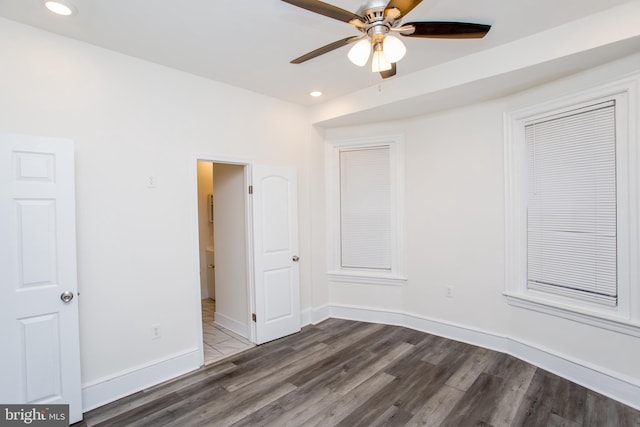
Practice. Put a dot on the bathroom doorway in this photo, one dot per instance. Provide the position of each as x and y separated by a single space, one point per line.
223 250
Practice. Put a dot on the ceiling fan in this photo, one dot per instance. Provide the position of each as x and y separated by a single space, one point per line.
377 20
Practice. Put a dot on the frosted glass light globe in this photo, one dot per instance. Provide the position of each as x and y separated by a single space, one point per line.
359 52
393 48
380 62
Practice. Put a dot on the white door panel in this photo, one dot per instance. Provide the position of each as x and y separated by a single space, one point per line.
40 361
277 286
36 234
277 275
42 373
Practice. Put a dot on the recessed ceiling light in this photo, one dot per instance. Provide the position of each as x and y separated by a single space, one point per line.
60 7
316 93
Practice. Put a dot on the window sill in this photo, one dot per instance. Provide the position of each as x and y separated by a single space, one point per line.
375 279
601 320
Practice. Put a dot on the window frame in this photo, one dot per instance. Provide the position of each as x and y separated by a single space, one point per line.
397 274
625 316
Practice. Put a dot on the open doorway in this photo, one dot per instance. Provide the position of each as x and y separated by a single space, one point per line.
223 249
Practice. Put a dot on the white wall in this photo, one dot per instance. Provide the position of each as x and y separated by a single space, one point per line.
137 247
232 299
205 228
456 221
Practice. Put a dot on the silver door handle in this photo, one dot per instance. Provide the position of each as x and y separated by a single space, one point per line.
66 296
295 258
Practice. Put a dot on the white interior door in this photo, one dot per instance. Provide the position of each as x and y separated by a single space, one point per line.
277 274
40 357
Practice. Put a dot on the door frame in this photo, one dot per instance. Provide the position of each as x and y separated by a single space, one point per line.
248 215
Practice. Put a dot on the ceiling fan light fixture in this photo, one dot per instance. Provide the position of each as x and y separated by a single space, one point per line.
393 48
359 52
376 19
379 62
60 7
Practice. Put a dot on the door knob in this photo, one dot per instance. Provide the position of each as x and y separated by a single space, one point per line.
66 296
295 258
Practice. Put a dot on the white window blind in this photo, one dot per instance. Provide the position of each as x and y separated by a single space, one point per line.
365 208
571 210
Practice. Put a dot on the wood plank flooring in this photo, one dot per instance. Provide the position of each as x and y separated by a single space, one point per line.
346 373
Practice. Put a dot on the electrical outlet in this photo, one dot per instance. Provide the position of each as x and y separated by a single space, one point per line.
449 292
155 331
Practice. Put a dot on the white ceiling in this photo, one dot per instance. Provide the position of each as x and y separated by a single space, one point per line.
249 43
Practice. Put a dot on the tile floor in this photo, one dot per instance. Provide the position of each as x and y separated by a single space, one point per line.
218 341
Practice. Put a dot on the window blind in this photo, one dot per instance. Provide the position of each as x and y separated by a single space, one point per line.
571 209
365 208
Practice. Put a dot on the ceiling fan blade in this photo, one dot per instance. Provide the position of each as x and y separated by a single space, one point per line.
324 49
325 9
448 30
389 73
404 6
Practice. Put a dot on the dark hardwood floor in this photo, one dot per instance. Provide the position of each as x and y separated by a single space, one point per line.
349 373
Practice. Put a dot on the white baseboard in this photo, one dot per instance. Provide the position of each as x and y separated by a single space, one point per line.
305 317
317 315
106 390
599 379
596 378
232 325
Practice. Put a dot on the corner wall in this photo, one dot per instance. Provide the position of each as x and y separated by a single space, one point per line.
229 235
205 228
137 246
455 233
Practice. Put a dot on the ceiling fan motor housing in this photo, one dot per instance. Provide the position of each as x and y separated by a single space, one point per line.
369 5
377 21
373 15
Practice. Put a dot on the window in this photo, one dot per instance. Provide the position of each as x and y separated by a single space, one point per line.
571 203
571 234
365 183
365 208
